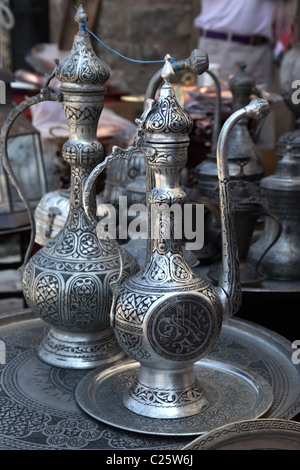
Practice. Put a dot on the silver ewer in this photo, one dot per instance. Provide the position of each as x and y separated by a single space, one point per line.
67 282
167 316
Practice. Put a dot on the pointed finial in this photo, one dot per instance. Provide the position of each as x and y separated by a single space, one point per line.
167 70
81 17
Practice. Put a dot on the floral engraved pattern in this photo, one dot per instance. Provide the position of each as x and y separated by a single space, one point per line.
167 116
19 421
167 398
82 66
84 301
88 244
132 307
176 160
71 434
67 244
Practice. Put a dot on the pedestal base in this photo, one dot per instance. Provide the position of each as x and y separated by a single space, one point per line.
79 350
166 394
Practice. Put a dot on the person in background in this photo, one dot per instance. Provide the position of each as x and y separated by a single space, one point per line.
235 31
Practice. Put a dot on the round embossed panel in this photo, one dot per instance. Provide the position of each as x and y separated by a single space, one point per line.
233 394
183 328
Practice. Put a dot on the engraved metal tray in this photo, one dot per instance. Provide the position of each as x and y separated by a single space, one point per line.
38 409
232 394
256 434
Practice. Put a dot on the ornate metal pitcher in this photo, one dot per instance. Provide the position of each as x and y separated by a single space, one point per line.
67 282
242 152
241 146
248 209
167 316
281 193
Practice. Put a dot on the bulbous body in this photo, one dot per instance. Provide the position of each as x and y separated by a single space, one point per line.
166 316
67 282
167 319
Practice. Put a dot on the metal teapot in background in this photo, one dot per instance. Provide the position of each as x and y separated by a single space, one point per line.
241 146
167 316
242 151
248 209
67 282
281 194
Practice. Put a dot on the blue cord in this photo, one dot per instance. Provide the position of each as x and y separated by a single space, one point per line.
84 28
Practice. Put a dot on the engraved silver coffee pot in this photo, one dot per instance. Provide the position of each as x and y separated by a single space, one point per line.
167 316
67 282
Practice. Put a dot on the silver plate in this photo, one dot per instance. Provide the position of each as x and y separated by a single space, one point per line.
38 407
232 394
256 434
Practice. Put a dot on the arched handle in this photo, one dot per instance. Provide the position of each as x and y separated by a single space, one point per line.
46 94
117 153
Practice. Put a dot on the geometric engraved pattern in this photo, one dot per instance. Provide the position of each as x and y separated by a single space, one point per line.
132 307
252 434
47 296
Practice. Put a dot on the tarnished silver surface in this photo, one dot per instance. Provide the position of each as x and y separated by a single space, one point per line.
233 394
281 193
255 434
67 282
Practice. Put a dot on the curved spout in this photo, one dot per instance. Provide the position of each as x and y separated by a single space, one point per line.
229 286
197 62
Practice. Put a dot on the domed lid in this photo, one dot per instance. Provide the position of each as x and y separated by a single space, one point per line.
167 121
82 68
291 140
287 174
242 85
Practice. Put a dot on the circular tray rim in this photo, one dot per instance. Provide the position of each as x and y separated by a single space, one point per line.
121 416
266 337
248 431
